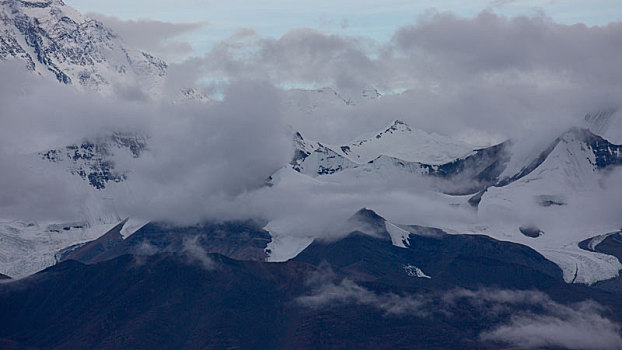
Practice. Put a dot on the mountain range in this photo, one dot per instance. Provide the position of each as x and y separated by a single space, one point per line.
518 231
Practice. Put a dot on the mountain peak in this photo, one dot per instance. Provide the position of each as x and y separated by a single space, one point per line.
37 3
398 125
369 222
368 215
399 140
55 40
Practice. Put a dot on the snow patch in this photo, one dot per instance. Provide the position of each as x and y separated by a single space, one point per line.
283 247
580 266
29 247
399 236
131 226
414 271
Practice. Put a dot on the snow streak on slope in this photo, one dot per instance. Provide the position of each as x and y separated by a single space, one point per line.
399 236
54 40
283 247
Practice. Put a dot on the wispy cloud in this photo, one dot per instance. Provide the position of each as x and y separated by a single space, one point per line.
195 253
521 319
347 291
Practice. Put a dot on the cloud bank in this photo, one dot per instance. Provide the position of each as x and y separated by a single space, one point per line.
196 152
492 73
482 79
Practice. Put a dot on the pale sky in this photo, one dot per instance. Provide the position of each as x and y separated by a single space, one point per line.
376 19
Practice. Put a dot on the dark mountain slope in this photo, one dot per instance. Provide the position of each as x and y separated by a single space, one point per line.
353 295
243 240
459 260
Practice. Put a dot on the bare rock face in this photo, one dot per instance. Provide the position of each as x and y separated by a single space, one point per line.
53 39
93 160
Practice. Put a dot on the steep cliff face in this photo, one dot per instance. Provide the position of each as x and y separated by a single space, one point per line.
53 39
92 160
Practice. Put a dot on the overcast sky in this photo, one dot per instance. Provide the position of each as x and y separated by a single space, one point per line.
377 19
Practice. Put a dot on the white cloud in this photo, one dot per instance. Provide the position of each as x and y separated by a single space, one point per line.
195 254
164 39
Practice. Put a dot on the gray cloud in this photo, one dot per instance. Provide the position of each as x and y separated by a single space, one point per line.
157 37
304 207
301 55
210 161
40 115
492 43
498 75
197 152
205 156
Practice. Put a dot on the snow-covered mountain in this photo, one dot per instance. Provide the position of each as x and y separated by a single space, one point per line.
558 195
403 142
518 193
52 39
96 178
58 43
398 143
28 247
544 197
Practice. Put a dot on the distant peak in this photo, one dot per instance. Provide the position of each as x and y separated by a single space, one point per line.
368 222
398 125
398 122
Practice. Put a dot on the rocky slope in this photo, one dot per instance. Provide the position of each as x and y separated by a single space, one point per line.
52 39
